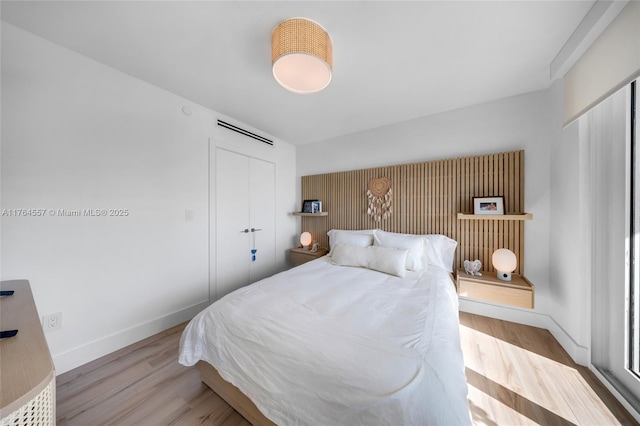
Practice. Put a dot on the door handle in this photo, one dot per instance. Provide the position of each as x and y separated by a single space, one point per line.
246 231
256 229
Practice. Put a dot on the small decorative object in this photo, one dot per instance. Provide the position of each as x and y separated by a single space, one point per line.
505 262
488 205
307 206
305 240
379 194
473 268
316 207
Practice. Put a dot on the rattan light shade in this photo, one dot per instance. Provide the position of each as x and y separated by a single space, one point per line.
301 56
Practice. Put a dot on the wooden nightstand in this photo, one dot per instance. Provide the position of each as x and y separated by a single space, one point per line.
297 256
517 292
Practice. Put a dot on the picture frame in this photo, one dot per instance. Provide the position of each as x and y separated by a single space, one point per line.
316 207
307 206
488 205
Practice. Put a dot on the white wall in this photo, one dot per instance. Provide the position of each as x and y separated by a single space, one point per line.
79 135
520 122
569 291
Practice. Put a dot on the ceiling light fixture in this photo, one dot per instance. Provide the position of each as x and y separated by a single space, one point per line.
301 56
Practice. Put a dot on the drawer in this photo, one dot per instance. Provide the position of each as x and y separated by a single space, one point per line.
297 256
497 293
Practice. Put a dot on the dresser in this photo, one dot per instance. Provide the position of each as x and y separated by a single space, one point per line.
27 393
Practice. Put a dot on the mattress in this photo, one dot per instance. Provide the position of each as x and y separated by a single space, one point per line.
328 344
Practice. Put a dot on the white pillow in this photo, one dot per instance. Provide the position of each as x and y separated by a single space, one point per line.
416 244
440 251
383 259
361 238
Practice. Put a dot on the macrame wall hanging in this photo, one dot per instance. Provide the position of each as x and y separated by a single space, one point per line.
379 194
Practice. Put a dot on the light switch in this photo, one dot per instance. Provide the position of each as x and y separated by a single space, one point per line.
189 214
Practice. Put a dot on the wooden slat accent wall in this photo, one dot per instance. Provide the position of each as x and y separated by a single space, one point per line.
426 199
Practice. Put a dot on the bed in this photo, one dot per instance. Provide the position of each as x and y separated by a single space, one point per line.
368 334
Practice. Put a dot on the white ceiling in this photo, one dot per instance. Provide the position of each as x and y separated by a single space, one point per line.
393 61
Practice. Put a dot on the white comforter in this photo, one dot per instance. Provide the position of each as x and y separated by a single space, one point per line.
329 345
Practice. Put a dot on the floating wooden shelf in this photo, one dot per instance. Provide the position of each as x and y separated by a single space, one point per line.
310 214
517 292
508 216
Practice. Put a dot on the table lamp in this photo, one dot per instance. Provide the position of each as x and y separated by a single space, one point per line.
505 262
305 240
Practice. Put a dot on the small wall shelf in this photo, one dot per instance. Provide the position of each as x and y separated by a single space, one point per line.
508 216
310 214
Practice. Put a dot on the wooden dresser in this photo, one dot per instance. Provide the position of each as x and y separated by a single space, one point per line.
27 375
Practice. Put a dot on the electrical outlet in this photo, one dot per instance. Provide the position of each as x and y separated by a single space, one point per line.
52 322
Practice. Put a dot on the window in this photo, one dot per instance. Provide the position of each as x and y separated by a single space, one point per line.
612 218
634 246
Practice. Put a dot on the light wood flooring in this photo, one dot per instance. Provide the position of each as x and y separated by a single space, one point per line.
517 375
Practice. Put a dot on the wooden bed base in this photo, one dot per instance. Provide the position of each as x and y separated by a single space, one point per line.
232 395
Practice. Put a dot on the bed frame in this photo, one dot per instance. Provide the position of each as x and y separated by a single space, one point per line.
232 395
426 200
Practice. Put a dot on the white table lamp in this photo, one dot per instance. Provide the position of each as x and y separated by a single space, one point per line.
305 240
505 262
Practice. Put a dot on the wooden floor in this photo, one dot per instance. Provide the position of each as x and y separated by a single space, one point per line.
517 375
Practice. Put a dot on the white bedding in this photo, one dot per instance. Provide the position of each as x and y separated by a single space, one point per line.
323 344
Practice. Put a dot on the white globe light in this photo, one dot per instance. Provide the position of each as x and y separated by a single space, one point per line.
505 262
305 240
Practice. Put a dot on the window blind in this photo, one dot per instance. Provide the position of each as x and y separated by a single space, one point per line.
612 61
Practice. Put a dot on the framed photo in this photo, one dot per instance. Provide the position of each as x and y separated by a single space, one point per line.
316 207
488 205
307 206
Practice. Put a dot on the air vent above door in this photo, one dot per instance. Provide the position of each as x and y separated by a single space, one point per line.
244 132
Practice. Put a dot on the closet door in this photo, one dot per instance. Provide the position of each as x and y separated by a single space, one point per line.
232 218
262 217
245 220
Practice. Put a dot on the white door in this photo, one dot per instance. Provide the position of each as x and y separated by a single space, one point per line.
263 218
232 218
245 220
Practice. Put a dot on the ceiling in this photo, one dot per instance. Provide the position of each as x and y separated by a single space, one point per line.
393 60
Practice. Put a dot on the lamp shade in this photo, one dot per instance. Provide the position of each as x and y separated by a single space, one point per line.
301 56
305 239
505 262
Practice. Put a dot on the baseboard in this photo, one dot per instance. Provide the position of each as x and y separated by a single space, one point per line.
615 392
578 353
100 347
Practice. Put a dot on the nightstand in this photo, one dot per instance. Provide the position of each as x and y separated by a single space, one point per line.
298 256
517 292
